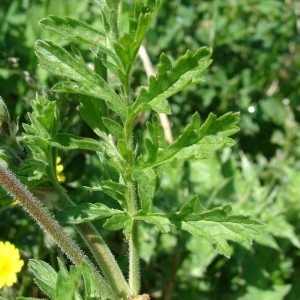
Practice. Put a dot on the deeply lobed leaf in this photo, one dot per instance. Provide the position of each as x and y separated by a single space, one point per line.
197 141
36 168
169 79
57 60
215 225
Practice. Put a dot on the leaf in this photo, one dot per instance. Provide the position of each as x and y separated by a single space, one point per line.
157 139
169 80
62 268
111 13
70 141
57 60
129 43
65 274
112 156
193 206
161 222
114 68
92 111
45 276
117 191
67 287
215 225
122 147
36 169
156 133
91 292
114 128
44 118
71 29
196 141
86 212
146 188
121 221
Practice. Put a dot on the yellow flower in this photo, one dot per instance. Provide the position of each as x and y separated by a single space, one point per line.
59 169
10 264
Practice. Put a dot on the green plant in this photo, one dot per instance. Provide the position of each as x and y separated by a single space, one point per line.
131 161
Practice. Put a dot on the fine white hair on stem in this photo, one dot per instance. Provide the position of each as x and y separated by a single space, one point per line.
45 220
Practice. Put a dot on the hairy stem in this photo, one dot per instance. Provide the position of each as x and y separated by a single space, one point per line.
44 219
98 247
134 264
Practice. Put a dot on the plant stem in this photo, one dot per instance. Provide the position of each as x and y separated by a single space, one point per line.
45 220
98 247
134 265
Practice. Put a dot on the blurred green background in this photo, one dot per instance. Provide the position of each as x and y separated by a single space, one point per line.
255 71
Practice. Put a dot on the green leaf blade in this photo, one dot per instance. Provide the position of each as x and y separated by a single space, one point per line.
92 111
90 284
146 188
197 142
45 277
117 191
85 213
114 127
70 141
71 29
66 287
218 227
57 60
121 221
172 79
160 221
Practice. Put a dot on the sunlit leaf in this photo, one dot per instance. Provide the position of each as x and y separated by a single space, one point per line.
57 60
197 141
71 29
172 79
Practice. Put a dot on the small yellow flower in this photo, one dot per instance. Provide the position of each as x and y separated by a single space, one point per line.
59 168
10 264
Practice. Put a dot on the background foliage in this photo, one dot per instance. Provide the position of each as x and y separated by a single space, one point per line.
256 58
